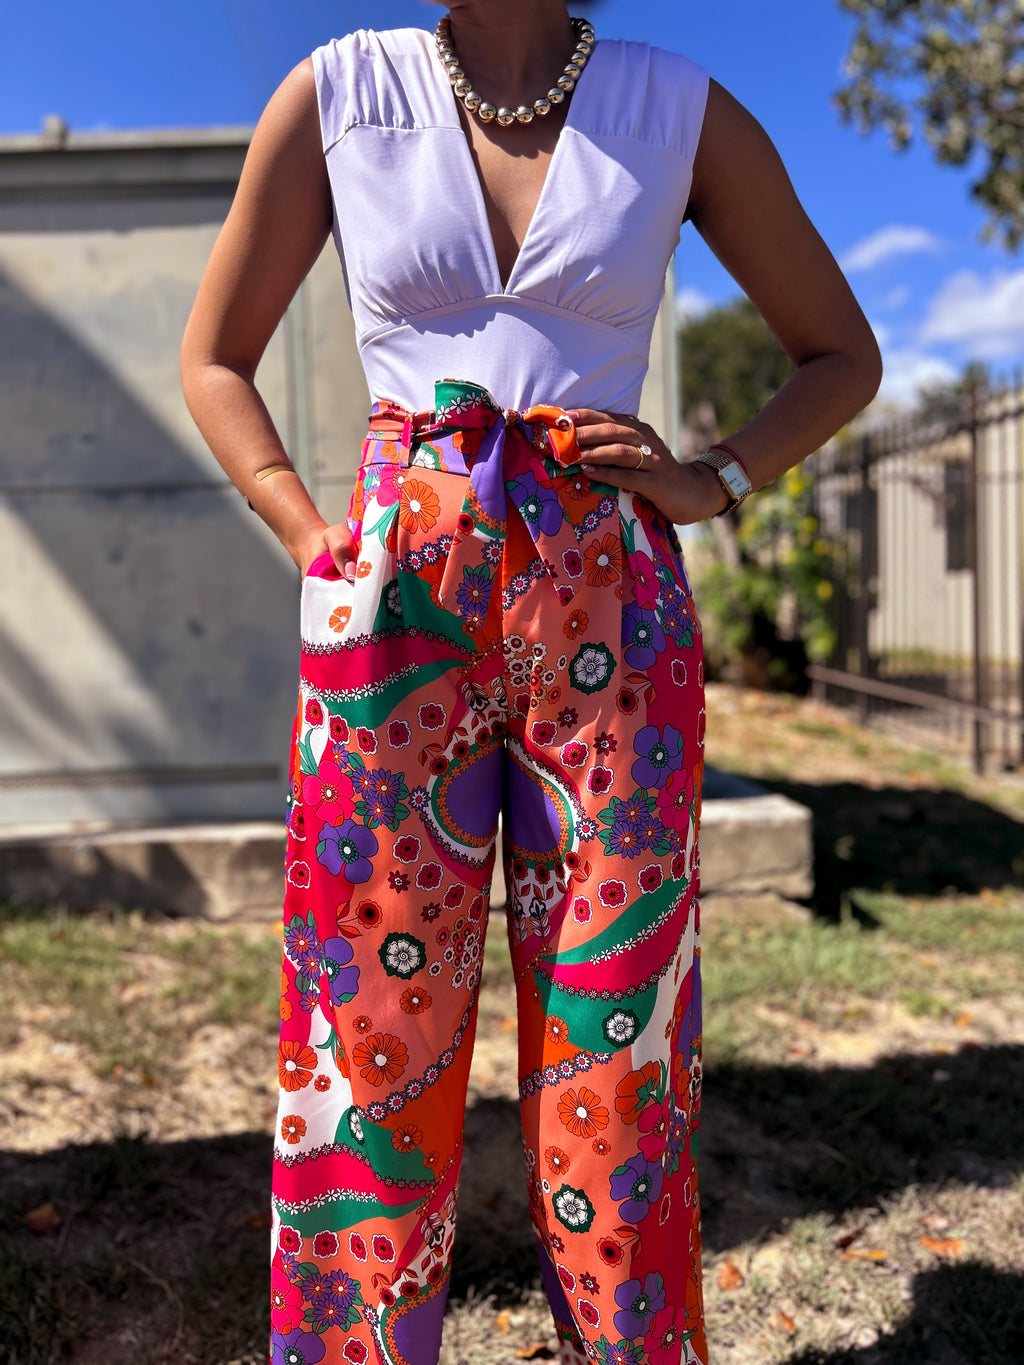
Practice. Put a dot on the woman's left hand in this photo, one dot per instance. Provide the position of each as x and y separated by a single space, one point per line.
610 443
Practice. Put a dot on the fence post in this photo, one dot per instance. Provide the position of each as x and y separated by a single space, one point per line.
868 533
979 728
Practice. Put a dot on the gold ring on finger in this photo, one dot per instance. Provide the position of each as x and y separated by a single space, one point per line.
644 450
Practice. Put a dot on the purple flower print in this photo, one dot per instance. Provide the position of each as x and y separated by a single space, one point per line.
637 1184
474 592
297 1347
615 1353
660 754
342 979
538 506
347 848
301 940
642 638
638 1304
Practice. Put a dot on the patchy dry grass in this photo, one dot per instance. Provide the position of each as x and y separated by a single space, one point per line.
862 1144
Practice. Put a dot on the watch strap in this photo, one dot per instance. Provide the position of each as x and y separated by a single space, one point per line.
719 457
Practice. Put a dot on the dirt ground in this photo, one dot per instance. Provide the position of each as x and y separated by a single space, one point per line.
862 1160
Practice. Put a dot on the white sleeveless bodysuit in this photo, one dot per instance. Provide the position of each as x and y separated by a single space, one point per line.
573 325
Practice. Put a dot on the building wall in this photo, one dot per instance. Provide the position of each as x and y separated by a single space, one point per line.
148 619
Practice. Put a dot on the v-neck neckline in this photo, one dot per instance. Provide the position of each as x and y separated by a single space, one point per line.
466 153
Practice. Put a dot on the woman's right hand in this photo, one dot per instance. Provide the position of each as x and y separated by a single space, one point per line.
333 540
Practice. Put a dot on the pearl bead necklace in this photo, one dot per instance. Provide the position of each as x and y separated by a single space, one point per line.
487 113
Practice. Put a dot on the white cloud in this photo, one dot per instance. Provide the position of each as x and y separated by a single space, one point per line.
887 242
895 298
906 370
983 316
690 303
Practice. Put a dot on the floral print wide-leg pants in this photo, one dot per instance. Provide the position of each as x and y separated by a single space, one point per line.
520 640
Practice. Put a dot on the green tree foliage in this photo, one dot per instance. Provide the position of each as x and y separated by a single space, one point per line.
955 70
730 360
766 572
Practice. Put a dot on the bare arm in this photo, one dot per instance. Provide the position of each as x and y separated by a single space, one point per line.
744 206
275 230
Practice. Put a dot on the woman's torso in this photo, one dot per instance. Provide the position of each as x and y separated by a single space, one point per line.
572 324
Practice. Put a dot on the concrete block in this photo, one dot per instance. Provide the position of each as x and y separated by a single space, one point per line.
752 840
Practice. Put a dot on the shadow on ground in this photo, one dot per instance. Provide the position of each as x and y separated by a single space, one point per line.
964 1313
910 842
164 1247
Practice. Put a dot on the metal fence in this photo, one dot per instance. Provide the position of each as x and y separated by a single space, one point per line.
927 525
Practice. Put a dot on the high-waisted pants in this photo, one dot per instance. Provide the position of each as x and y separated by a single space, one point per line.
519 639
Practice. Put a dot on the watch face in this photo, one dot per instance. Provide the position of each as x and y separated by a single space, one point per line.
735 479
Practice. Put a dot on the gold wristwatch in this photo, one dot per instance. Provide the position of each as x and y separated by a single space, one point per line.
732 473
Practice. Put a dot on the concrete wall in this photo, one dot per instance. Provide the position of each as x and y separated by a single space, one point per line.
148 619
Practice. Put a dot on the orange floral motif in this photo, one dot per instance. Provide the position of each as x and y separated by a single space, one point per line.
364 568
418 506
582 1112
296 1063
406 1138
414 1000
558 1162
602 560
293 1127
635 1090
340 618
575 624
383 1057
556 1030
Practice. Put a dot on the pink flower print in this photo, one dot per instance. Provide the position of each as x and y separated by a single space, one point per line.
572 563
567 1278
389 490
599 780
581 911
285 1302
589 1313
679 672
298 874
431 716
612 893
543 731
566 593
366 740
453 897
645 581
653 1125
664 1336
574 754
357 1246
325 1244
329 791
399 734
650 878
289 1240
314 713
355 1351
429 877
407 849
383 1248
675 799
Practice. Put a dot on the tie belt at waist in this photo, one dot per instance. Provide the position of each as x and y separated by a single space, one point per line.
467 432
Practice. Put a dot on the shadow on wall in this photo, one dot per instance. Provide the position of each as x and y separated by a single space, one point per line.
148 626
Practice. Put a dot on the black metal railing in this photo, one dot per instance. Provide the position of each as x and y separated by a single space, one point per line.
926 521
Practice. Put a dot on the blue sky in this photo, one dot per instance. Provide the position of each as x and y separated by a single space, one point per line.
904 229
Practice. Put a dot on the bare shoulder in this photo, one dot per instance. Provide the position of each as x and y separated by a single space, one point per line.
733 145
292 113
